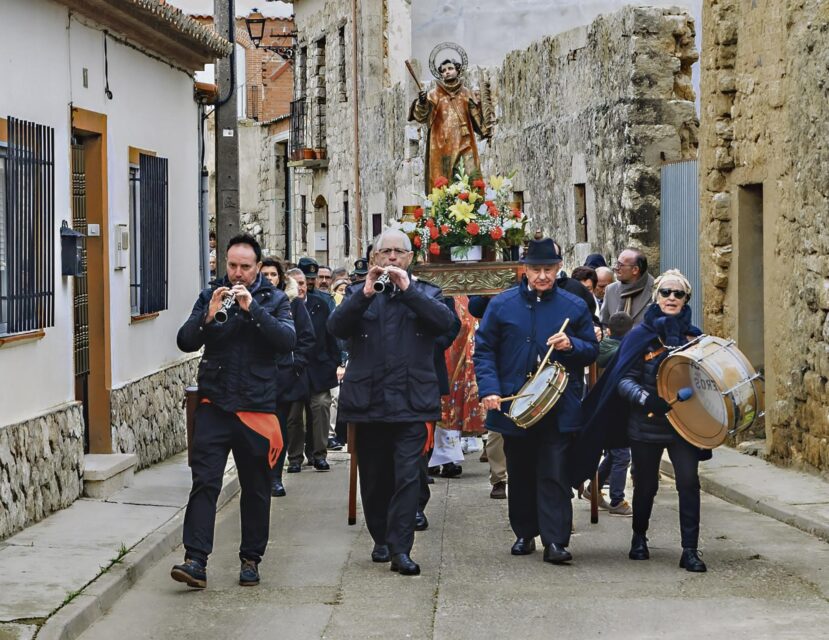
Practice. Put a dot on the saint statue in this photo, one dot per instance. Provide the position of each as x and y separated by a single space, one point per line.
453 114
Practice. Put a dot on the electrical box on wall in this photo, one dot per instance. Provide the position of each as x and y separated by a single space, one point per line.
122 246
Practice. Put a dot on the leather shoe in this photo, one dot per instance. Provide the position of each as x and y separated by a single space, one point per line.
380 553
404 565
294 467
523 546
451 470
322 465
557 554
499 491
690 561
421 523
639 547
277 489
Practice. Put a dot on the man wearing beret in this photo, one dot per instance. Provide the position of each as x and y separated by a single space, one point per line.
518 328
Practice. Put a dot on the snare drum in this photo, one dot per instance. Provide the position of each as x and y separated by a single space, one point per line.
728 393
538 395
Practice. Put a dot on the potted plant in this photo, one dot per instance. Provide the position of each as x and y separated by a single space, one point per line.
459 220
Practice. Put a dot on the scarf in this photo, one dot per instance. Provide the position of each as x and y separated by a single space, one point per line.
629 290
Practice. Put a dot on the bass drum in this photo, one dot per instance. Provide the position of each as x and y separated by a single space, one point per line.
728 393
538 395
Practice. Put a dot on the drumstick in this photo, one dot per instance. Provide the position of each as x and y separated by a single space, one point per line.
414 77
550 350
681 396
520 395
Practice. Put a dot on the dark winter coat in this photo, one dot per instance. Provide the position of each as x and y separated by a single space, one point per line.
293 367
238 371
326 354
442 344
512 339
391 368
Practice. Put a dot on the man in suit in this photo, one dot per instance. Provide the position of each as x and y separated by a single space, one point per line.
391 390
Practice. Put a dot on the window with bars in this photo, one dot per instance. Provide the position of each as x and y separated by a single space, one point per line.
148 229
27 228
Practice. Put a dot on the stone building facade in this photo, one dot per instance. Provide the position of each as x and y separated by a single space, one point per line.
585 118
764 182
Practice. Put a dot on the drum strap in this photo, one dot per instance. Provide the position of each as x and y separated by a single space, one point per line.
655 354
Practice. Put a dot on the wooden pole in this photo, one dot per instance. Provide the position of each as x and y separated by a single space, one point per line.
592 377
352 474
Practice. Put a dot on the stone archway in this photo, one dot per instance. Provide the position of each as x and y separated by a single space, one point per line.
320 235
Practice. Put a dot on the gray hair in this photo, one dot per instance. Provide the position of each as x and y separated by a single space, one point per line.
295 271
390 233
604 270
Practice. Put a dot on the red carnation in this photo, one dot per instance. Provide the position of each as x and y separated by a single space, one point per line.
418 242
473 229
434 248
463 195
441 181
433 233
444 229
479 184
418 213
516 214
430 222
497 233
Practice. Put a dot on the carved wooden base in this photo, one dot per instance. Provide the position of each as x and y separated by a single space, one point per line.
480 278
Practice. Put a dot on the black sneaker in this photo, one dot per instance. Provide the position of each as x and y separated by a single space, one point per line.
191 572
451 470
294 467
249 574
277 489
334 444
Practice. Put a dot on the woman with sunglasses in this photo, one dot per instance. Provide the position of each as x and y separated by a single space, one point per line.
668 325
626 395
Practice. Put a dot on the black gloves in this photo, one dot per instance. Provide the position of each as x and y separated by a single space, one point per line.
656 405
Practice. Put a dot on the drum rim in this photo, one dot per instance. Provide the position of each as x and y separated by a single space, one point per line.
728 400
562 377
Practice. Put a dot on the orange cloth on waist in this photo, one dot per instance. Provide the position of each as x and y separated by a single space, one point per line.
430 438
267 426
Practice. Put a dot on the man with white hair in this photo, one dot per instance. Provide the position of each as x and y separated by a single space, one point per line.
390 389
604 276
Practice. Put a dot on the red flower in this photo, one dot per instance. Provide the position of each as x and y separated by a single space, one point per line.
418 213
418 242
497 233
516 213
479 184
493 210
473 229
430 222
434 248
441 181
444 229
463 195
433 233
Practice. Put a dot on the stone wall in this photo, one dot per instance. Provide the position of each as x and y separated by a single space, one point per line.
148 417
765 113
41 467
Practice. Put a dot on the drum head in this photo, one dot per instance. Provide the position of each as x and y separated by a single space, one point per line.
538 396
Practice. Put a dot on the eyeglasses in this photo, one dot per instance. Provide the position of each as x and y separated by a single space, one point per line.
619 265
678 294
390 250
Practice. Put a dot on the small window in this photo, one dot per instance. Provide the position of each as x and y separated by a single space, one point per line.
303 221
148 228
343 89
580 208
376 224
346 226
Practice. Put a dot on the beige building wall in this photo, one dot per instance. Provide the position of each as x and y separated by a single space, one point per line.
764 180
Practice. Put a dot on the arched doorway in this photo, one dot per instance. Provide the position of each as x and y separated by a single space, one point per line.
320 239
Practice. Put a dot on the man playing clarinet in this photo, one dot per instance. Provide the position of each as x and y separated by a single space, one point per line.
520 327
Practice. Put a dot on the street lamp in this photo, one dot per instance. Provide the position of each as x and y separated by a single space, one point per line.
255 24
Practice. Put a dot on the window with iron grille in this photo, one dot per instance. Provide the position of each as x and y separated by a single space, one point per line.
298 126
27 228
343 89
148 228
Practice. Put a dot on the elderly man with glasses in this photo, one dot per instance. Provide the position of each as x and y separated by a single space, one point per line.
390 389
631 292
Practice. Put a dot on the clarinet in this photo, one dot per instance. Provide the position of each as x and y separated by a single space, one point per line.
221 314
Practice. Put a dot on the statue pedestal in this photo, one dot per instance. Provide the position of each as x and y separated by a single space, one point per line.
470 279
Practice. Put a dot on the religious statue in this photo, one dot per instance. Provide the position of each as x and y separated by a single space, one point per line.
453 114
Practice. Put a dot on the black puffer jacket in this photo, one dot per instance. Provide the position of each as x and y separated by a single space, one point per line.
238 371
640 379
292 378
391 369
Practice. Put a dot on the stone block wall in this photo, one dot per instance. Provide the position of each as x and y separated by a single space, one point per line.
764 116
41 467
148 418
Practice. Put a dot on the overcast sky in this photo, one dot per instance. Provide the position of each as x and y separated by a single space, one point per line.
277 9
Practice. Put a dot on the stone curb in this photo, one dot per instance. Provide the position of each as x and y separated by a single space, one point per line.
71 620
785 513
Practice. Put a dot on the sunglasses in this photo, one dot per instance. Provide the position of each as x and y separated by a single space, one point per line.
678 293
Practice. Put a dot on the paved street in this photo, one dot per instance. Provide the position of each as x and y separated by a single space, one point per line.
765 579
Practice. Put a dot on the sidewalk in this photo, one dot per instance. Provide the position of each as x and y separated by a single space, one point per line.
60 575
793 497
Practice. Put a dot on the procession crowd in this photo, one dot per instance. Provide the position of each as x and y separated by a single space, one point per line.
295 353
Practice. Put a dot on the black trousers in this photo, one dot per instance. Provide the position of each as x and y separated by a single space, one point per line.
217 433
282 410
425 493
685 458
388 458
540 497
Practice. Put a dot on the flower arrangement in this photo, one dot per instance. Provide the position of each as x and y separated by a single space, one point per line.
467 213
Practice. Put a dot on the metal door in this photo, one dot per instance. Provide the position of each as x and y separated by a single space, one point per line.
80 288
679 227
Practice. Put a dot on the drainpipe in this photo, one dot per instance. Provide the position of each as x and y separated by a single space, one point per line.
355 75
204 223
288 205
